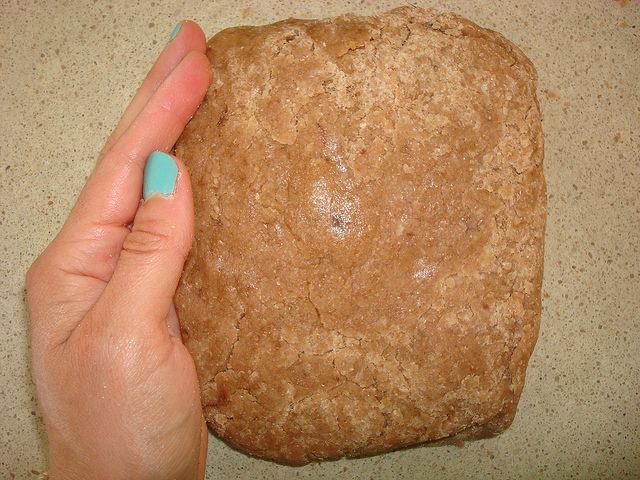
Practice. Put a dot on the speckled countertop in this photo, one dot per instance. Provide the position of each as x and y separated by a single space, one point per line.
69 68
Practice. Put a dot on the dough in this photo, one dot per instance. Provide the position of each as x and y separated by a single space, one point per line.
370 212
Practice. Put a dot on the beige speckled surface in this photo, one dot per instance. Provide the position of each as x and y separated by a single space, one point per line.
68 69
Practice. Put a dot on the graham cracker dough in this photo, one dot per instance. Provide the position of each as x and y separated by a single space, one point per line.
370 212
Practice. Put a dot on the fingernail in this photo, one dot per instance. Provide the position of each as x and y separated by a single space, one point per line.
175 32
160 174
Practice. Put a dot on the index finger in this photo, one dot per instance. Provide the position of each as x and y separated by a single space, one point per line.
189 38
112 193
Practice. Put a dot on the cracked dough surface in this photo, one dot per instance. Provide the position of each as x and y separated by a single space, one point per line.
370 211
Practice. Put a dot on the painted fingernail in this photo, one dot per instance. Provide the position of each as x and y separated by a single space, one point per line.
160 174
175 32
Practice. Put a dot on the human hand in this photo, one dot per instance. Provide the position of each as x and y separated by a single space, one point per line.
118 389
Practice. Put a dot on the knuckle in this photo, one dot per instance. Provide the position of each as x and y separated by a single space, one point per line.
144 240
32 275
37 273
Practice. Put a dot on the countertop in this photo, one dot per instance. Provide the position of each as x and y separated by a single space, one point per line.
69 68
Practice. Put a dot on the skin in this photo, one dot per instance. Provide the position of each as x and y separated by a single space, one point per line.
117 388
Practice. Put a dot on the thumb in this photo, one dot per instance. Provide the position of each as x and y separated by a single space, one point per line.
153 254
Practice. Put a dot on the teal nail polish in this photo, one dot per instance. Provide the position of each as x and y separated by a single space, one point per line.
175 31
160 174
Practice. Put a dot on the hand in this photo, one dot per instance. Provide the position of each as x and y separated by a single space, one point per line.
117 387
